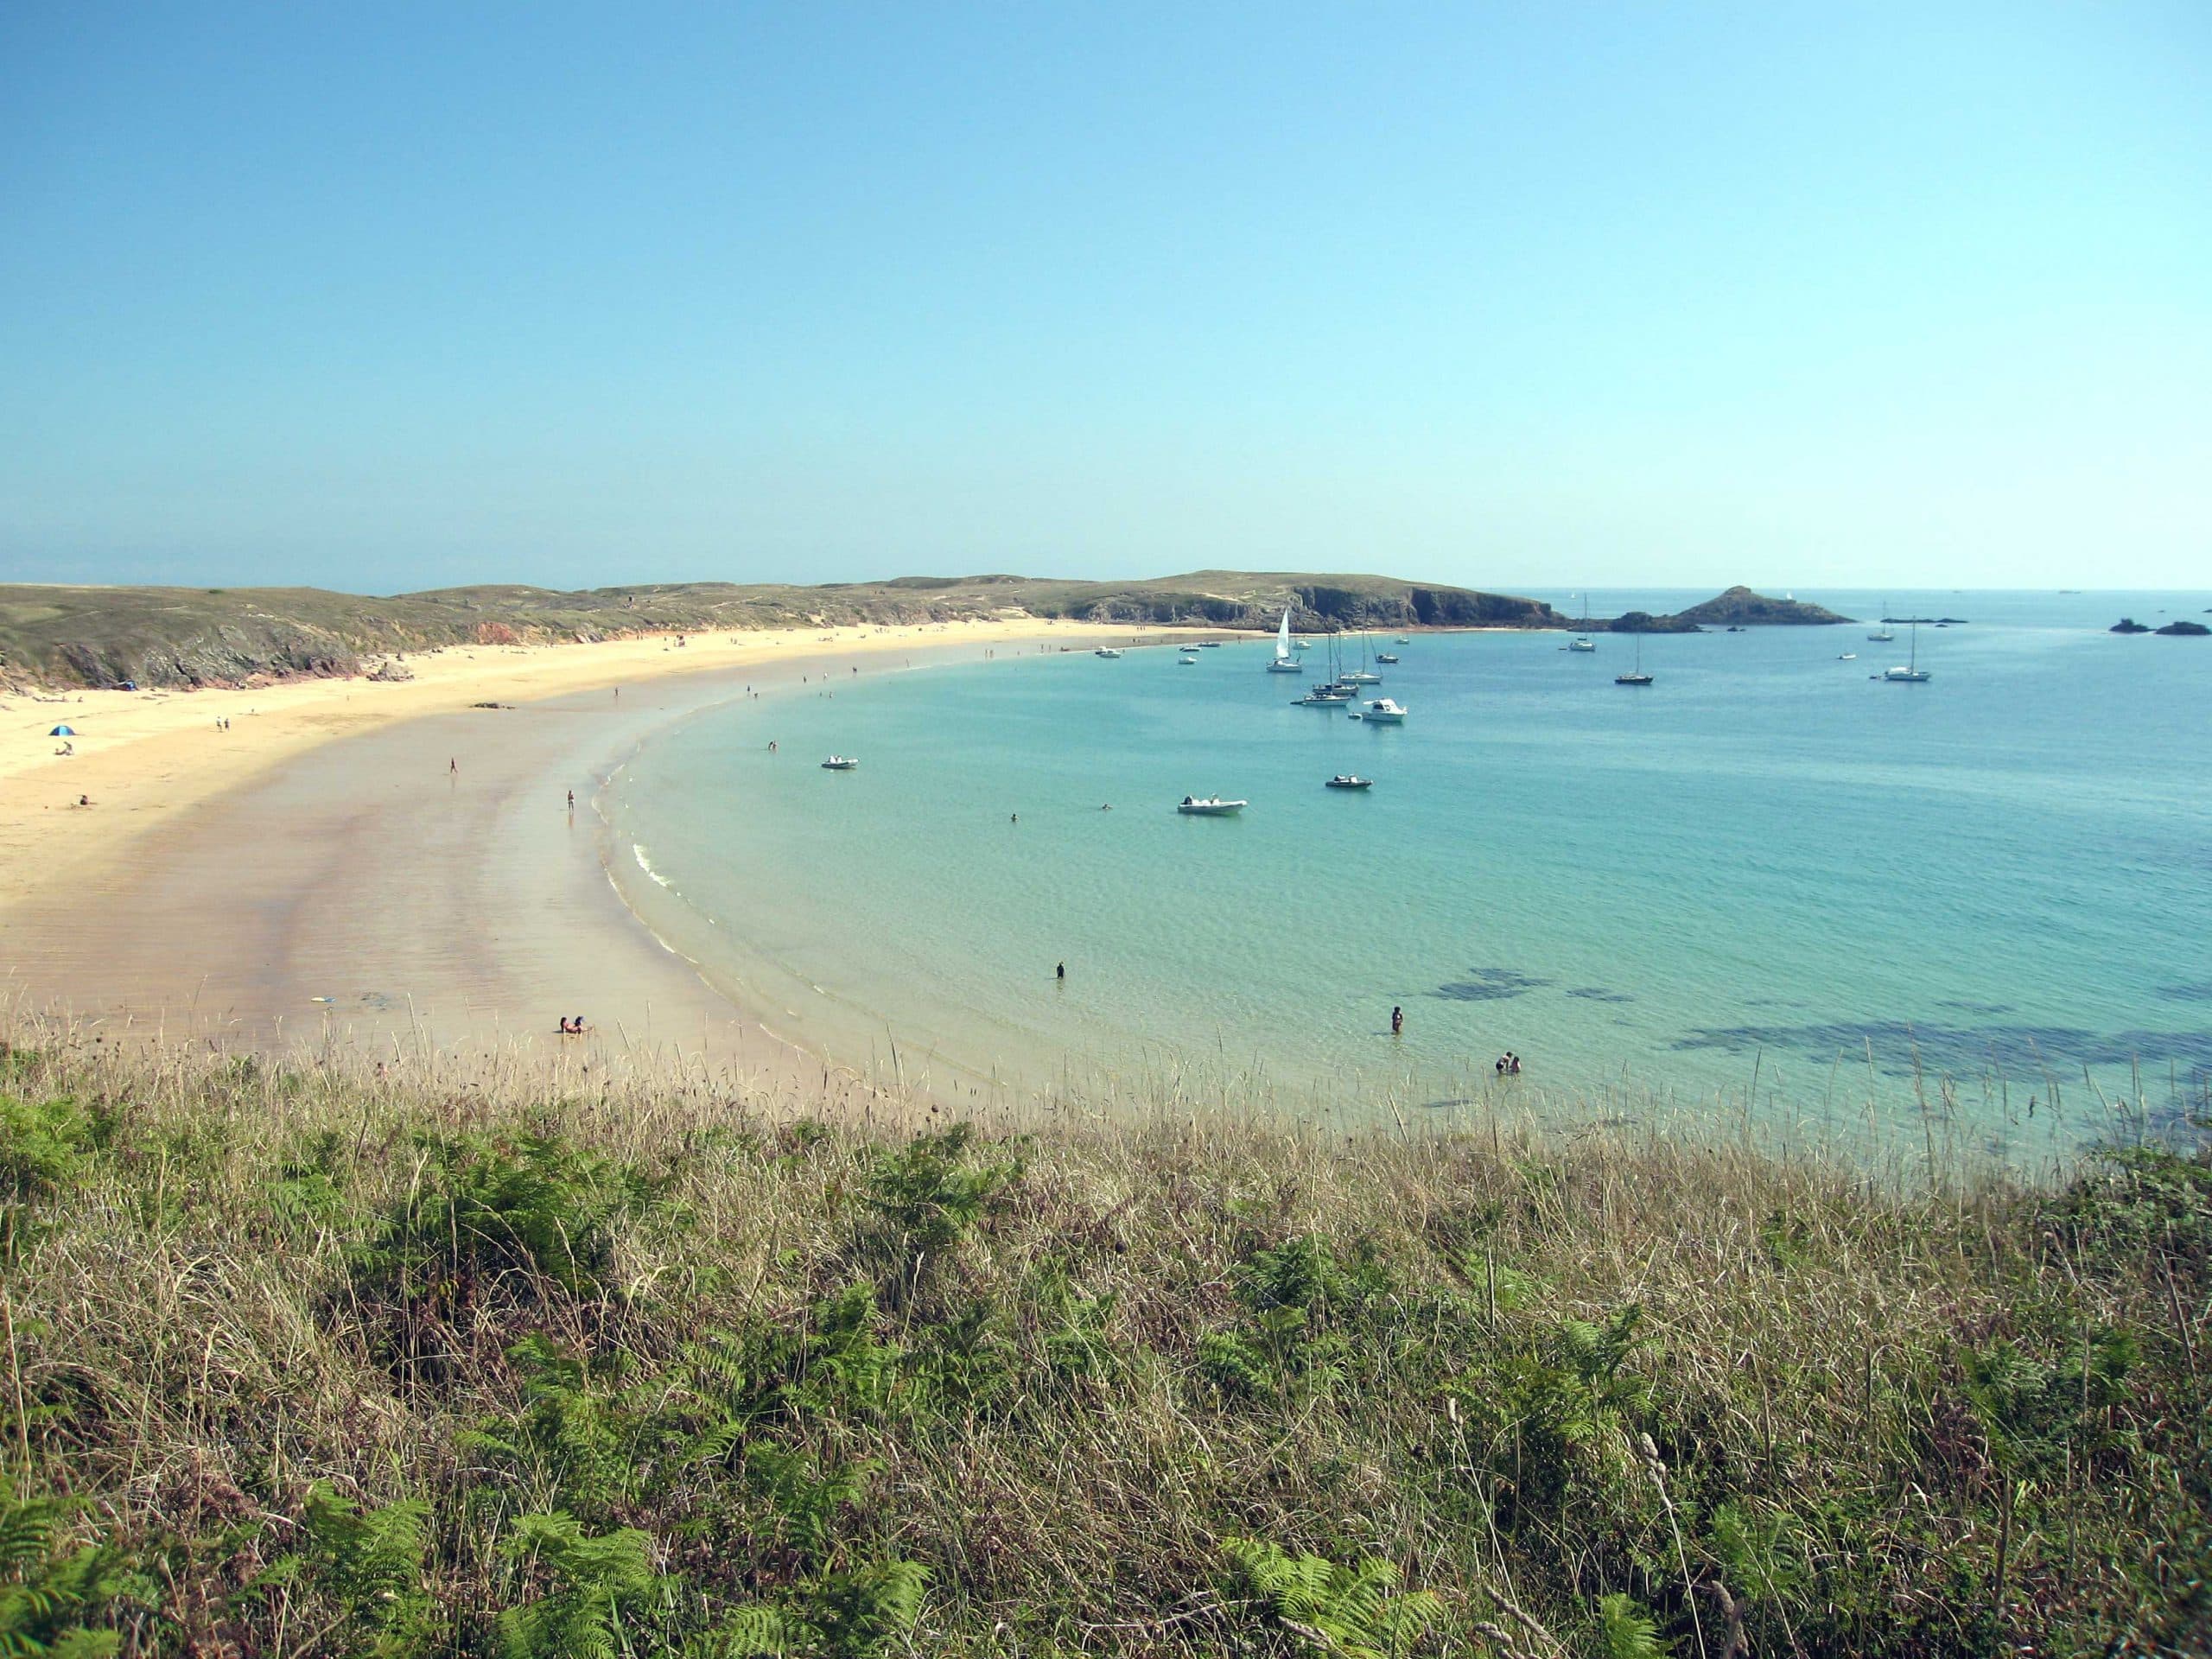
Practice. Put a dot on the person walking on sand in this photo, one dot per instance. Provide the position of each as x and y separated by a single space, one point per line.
453 767
572 800
1397 1021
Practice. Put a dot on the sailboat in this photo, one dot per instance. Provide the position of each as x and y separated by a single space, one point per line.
1912 673
1363 675
1581 641
1637 676
1881 636
1285 662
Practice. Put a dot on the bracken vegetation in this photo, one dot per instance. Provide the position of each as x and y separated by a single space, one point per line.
307 1361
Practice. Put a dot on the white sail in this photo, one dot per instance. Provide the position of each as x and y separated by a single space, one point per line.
1282 636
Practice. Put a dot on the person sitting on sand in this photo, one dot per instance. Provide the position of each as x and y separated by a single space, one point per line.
84 800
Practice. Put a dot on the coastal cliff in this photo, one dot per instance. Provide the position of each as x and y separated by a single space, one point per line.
87 637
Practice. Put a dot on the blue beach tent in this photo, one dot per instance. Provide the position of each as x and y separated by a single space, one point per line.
63 731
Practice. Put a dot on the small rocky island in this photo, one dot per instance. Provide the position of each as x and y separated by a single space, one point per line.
1739 608
2128 625
2185 630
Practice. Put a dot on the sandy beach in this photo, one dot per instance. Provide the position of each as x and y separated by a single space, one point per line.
378 864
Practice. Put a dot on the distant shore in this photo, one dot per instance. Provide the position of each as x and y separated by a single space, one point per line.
379 863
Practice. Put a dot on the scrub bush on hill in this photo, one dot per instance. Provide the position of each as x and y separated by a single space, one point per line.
300 1365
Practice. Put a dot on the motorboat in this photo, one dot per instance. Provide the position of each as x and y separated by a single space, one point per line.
1187 660
1106 650
1385 709
1286 660
1848 656
1208 644
1581 642
1211 806
1350 780
840 763
1386 656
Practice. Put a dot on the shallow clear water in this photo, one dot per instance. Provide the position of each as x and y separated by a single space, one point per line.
1763 857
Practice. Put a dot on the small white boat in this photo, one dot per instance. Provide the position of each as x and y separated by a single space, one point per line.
1349 780
1286 660
1187 660
840 763
1106 650
1581 642
1211 806
1848 656
1385 709
1386 656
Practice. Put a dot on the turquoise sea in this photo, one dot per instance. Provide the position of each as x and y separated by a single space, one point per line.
1765 865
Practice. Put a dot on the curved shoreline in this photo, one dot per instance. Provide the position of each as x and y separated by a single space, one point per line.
406 876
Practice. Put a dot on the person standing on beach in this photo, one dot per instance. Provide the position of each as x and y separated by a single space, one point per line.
572 800
453 768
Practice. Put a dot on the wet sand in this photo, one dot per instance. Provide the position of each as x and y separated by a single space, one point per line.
420 885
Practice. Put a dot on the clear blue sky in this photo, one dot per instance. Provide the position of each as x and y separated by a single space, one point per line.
393 295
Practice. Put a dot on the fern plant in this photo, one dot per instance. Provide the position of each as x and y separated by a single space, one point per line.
47 1593
44 1148
1626 1631
927 1198
861 1614
540 1205
805 1502
569 1444
1327 1609
370 1562
598 1590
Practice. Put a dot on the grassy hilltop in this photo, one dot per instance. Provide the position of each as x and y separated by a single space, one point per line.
308 1362
174 636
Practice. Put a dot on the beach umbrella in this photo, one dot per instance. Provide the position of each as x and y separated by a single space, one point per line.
63 731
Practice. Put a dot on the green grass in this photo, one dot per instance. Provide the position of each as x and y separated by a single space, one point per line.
308 1361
